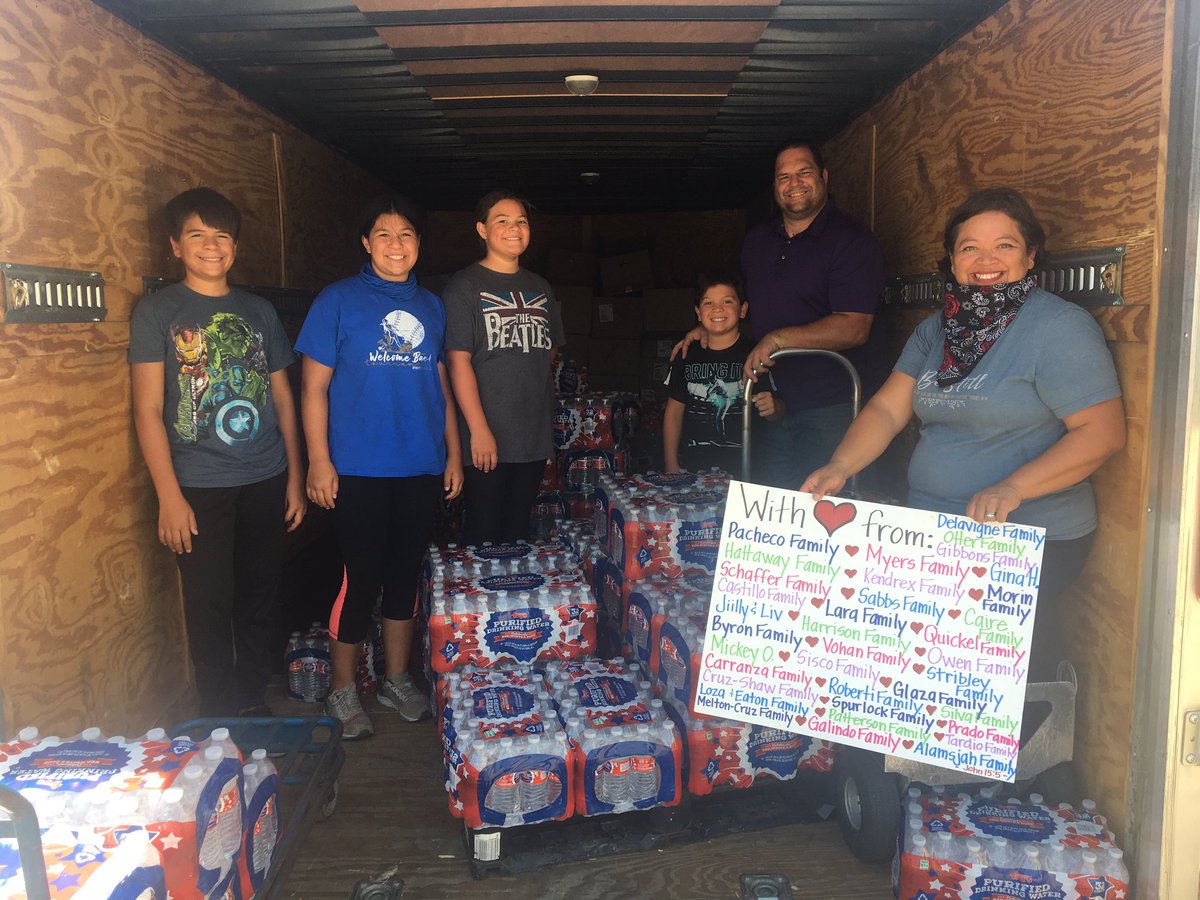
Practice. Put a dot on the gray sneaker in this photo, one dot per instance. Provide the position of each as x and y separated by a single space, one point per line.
403 695
343 705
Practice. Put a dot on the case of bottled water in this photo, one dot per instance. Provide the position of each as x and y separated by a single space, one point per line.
653 601
308 666
964 846
583 469
680 647
584 422
187 797
508 760
738 754
514 627
87 863
628 752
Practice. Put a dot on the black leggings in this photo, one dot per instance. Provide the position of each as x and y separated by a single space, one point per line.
1062 561
498 503
383 526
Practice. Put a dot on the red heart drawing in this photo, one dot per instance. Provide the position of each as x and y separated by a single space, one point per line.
976 593
823 699
820 681
819 711
850 573
930 708
954 613
847 593
939 735
941 723
833 516
817 601
852 549
908 745
920 651
793 614
811 641
916 626
918 668
885 681
800 720
979 571
785 655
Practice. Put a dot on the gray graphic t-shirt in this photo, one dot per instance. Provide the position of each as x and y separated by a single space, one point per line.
509 324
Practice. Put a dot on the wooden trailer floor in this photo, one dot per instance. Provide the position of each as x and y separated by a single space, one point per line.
391 811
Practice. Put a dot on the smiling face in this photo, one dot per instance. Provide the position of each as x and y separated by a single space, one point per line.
505 233
393 244
989 249
207 254
720 310
801 186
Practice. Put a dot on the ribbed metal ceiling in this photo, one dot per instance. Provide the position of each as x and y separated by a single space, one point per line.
450 99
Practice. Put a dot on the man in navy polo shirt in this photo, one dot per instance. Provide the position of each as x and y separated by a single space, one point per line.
814 279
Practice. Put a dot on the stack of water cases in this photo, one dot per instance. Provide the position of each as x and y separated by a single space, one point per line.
590 434
972 846
188 800
510 604
628 752
507 757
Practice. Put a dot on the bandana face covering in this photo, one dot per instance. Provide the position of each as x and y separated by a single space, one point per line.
974 317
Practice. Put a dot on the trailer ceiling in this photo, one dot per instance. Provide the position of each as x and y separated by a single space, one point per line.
446 99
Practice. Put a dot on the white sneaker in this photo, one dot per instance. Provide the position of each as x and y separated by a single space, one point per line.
403 695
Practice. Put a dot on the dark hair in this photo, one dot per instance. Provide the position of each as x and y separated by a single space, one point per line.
389 204
485 204
800 144
998 199
214 210
706 280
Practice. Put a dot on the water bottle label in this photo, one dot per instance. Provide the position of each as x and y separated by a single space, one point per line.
514 581
501 702
1017 822
519 633
1017 884
775 751
606 691
566 427
505 551
698 542
71 766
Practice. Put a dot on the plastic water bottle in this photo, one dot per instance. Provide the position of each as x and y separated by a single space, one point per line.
535 790
1116 869
262 813
1089 863
976 855
643 778
946 847
1000 852
1031 858
228 810
219 737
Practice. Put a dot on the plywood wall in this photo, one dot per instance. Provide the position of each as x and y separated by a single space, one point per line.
98 128
1063 101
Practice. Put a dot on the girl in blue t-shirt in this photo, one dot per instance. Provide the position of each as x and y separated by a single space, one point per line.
383 448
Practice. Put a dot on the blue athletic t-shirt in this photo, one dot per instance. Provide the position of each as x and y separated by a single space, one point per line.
383 340
1050 362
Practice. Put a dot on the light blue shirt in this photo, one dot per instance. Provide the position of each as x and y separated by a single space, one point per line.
1051 362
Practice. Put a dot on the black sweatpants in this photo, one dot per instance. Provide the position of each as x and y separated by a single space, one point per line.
231 590
497 504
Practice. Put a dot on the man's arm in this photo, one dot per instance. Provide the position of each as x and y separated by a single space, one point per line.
837 331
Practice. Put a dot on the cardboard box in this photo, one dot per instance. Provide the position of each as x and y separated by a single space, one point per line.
576 306
658 348
626 273
613 357
668 309
577 348
572 267
617 317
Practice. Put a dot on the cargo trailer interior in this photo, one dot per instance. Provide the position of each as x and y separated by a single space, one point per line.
1086 106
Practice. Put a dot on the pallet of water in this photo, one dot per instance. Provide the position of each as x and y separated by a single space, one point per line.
724 752
979 846
213 820
507 757
628 752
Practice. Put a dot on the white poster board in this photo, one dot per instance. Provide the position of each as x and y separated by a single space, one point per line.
893 629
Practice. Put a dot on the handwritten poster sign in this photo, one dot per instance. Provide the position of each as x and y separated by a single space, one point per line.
897 630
